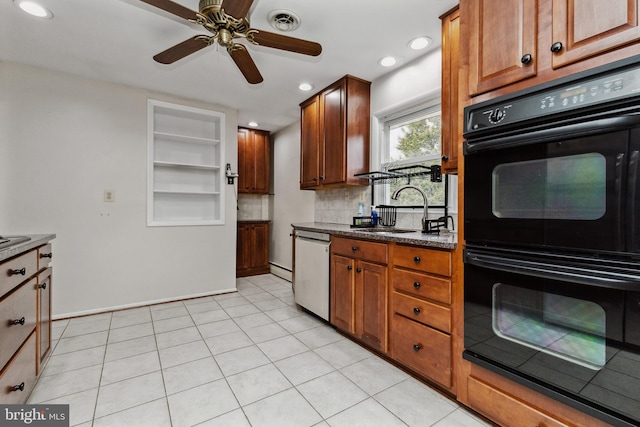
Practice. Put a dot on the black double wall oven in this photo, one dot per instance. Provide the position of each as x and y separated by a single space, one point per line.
552 230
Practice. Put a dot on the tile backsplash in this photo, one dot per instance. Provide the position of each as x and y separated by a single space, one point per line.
253 207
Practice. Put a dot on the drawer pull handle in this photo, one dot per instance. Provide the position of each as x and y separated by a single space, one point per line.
354 248
349 268
19 387
416 311
43 286
416 259
49 255
556 47
416 285
358 270
18 321
22 271
417 347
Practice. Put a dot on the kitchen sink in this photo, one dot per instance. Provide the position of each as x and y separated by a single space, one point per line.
384 230
8 241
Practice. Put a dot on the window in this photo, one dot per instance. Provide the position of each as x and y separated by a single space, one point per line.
412 138
185 154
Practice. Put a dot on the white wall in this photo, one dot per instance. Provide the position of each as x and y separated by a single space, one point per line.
290 204
66 139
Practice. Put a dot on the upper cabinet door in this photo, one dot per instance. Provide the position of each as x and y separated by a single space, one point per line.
244 163
584 28
310 143
503 43
332 107
253 161
262 162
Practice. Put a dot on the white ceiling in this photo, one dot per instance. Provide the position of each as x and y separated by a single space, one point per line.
115 40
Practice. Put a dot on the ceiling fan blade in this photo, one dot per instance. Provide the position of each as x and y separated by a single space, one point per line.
245 63
277 41
171 7
181 50
237 8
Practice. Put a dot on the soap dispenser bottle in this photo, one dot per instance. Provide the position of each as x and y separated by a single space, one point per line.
374 216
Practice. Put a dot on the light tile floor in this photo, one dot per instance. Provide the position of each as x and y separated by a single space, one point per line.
249 358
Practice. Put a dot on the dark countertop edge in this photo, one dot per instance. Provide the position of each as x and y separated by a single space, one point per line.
20 248
254 221
445 241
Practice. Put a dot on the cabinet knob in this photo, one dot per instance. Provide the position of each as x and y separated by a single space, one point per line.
49 255
526 59
321 177
349 268
416 285
22 271
556 47
445 158
417 347
18 321
416 310
43 286
358 270
416 259
315 179
354 248
19 387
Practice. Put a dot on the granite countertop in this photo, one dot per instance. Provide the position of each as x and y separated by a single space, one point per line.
36 240
444 240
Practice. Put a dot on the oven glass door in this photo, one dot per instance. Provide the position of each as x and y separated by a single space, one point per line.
546 323
563 193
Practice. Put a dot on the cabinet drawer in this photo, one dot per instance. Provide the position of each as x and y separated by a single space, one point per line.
21 370
422 311
422 285
360 249
44 256
11 271
504 408
19 305
422 349
423 259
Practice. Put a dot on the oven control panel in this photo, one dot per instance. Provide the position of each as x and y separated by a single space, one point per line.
593 92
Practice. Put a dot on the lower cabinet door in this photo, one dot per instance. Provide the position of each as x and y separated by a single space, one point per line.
371 305
43 327
19 376
421 348
342 293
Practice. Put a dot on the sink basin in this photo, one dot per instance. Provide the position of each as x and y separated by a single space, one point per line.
8 241
384 230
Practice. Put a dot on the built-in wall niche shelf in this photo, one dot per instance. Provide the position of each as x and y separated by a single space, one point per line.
185 173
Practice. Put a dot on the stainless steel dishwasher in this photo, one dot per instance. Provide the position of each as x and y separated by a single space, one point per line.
311 272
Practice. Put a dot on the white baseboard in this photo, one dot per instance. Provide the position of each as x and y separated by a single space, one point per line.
280 271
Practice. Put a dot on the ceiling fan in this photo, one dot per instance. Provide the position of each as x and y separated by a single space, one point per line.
227 24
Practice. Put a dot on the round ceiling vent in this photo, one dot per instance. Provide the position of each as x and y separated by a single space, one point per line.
283 20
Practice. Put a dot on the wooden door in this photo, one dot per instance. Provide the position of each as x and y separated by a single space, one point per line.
451 132
333 168
371 311
503 43
261 158
245 171
260 245
310 143
342 293
588 27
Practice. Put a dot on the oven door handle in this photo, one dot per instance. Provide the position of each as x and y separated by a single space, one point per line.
632 179
581 275
536 135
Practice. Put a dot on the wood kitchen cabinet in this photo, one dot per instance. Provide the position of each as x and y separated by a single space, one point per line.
513 41
252 248
335 135
451 125
253 161
359 290
420 324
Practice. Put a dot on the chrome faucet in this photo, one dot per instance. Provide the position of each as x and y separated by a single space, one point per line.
425 215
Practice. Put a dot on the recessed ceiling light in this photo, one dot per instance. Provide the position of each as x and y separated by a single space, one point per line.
253 124
419 43
33 8
305 86
388 61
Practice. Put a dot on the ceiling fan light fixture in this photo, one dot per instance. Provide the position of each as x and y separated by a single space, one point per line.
283 20
34 9
420 42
